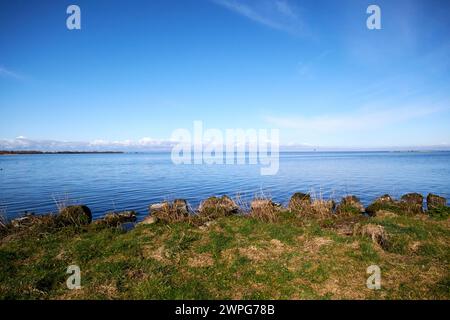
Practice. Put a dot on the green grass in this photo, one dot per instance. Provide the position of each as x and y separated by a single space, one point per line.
235 257
441 213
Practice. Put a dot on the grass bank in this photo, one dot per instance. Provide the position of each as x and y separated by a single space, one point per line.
232 257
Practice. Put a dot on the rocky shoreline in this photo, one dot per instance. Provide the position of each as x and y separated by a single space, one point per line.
302 204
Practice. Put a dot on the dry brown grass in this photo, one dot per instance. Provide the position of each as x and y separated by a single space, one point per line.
264 210
373 231
201 260
314 244
263 251
318 207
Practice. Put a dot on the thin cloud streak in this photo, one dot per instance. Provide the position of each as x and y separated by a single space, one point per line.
278 14
4 72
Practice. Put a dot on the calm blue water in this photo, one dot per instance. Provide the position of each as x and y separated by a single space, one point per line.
107 182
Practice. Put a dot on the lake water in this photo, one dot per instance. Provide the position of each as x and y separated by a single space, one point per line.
106 182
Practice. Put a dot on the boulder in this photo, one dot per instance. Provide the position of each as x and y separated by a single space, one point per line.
299 201
435 202
115 219
149 220
385 199
181 206
214 206
408 205
76 215
385 203
30 220
350 205
412 202
25 221
170 212
159 207
412 198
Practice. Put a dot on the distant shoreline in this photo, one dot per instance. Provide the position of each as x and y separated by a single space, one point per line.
31 152
3 152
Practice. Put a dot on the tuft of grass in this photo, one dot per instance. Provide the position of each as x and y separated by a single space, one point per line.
348 209
318 208
264 209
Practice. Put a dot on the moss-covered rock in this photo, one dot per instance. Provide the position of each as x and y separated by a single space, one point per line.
76 215
385 203
170 212
214 207
299 201
435 201
181 207
149 220
155 208
408 205
413 202
115 219
350 205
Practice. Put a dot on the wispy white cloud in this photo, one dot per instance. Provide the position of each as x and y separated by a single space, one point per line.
276 14
146 144
23 143
4 72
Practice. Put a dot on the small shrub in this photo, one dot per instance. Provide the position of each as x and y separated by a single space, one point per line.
349 206
75 215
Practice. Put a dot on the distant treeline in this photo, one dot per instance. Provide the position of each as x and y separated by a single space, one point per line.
5 152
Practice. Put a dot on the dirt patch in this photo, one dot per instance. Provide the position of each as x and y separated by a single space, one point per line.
314 244
386 214
201 261
160 254
265 251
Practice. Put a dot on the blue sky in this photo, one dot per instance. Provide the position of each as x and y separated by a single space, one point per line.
138 70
